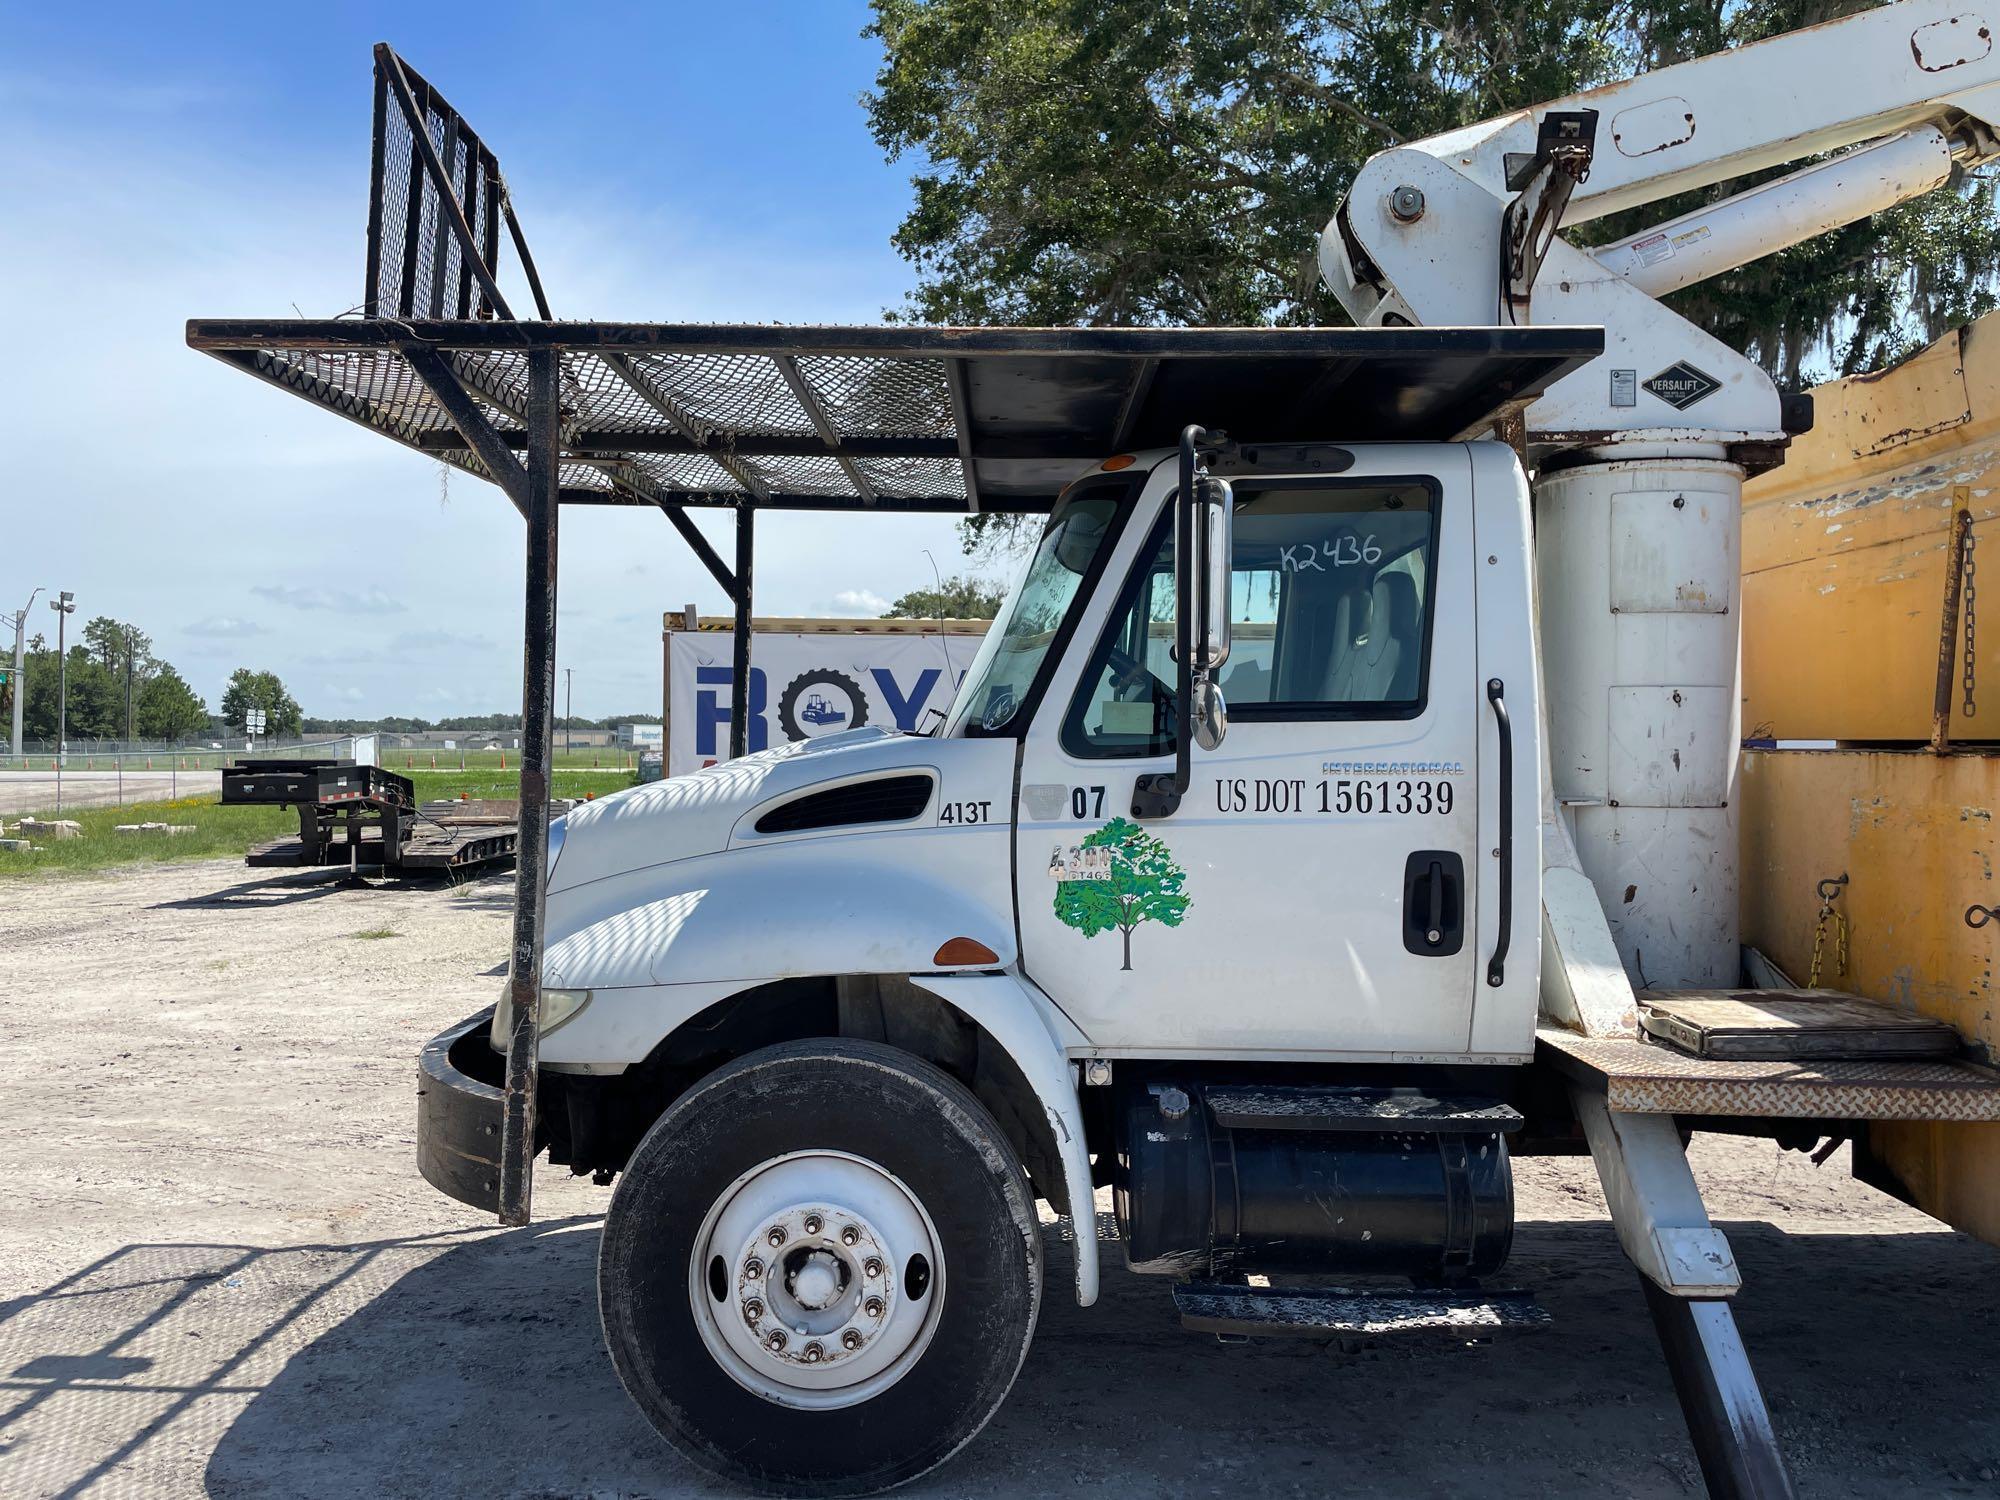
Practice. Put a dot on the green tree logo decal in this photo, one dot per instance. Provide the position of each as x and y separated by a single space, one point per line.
1145 886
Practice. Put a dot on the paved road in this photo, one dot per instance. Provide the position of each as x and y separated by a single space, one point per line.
35 791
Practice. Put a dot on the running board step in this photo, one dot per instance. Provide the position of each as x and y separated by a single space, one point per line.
1323 1312
1238 1107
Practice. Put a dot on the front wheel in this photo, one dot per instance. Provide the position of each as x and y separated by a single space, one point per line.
821 1269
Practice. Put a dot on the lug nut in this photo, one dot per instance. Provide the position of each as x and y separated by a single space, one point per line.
814 1354
776 1341
752 1269
851 1339
873 1307
813 1223
776 1237
850 1236
753 1310
871 1267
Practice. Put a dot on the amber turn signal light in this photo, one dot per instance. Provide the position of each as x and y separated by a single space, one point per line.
959 951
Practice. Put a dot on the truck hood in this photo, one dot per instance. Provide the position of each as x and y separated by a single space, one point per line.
717 807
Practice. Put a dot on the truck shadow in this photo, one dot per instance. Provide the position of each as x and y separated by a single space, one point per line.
469 1363
488 890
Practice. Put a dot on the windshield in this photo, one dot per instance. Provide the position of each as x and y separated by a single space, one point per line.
1021 634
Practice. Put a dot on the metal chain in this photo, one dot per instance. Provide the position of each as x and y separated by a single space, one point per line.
1967 604
1829 892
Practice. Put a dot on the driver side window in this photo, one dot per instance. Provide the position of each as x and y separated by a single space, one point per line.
1330 603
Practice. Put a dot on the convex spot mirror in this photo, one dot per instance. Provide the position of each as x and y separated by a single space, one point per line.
1080 534
1211 714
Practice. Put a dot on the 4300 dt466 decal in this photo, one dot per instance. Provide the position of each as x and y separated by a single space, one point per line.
1334 796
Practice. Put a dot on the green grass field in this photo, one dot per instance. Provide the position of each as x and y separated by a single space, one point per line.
222 831
408 762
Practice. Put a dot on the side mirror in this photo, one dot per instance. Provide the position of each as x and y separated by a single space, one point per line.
1215 531
1204 521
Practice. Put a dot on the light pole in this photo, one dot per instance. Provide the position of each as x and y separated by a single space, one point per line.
21 667
64 604
569 705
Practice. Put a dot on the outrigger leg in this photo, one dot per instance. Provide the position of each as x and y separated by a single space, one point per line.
1689 1274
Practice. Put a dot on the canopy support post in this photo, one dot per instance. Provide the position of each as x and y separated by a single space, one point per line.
739 689
538 695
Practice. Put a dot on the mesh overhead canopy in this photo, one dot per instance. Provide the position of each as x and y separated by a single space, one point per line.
948 419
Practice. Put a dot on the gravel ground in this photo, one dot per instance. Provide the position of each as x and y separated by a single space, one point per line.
221 1274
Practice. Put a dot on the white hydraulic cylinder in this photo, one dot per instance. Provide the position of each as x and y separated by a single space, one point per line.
1637 575
1721 236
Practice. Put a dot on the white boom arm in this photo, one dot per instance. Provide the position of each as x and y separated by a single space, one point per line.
1642 452
1419 238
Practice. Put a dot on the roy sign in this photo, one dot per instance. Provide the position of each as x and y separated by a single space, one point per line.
805 684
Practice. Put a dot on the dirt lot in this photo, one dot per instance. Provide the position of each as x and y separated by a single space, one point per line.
223 1276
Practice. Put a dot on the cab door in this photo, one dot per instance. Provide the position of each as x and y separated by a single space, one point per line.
1310 894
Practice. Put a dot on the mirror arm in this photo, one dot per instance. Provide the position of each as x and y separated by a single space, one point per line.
1157 794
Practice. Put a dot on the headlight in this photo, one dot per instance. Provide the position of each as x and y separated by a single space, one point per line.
559 1007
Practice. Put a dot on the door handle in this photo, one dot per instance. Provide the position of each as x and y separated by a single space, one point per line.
1496 967
1434 903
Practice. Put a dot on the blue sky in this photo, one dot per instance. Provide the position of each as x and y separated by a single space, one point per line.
670 162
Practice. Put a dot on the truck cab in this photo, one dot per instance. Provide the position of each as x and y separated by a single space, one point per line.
1211 856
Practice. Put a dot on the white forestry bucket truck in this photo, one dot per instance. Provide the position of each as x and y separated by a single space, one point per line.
1318 813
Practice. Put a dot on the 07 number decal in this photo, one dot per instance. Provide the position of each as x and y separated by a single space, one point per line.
1086 802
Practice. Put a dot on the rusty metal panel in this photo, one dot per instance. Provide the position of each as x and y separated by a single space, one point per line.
1665 556
1669 746
1646 1079
1915 834
1846 550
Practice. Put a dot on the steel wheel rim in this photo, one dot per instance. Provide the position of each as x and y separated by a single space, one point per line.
816 1280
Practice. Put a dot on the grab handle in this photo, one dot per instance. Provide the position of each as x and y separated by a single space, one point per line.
1496 967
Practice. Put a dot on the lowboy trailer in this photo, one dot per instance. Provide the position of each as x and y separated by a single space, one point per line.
1290 923
357 815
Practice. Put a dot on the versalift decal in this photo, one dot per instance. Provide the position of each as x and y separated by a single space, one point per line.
1680 385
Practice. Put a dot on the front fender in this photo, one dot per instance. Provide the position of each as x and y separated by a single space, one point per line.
1031 1029
620 1027
878 905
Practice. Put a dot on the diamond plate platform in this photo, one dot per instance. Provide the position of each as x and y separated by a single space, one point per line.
1365 1109
1643 1078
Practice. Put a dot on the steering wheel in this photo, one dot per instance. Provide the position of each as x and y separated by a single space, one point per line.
1128 673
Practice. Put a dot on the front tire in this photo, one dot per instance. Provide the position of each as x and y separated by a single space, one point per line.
821 1269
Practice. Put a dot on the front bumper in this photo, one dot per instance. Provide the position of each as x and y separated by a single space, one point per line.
458 1113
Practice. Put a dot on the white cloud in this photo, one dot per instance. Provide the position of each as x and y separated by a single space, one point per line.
370 601
439 640
225 627
860 604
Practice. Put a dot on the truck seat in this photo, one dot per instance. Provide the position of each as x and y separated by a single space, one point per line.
1384 656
